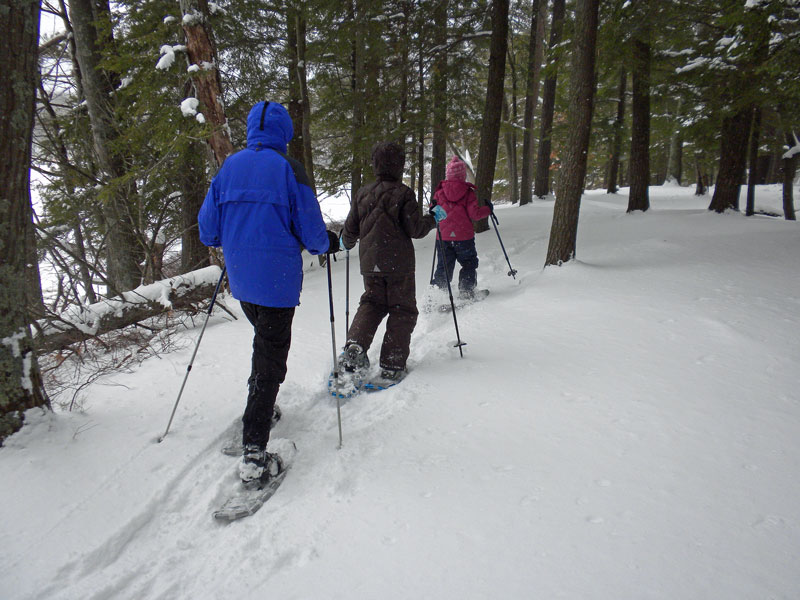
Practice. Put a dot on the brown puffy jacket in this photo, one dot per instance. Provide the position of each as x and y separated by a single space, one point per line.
385 216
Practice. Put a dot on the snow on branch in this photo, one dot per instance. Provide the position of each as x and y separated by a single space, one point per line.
146 301
794 150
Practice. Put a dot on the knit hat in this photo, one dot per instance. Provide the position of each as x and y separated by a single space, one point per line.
456 170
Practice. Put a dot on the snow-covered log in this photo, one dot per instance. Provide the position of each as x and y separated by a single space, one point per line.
78 324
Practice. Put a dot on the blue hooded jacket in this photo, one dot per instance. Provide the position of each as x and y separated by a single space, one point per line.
260 209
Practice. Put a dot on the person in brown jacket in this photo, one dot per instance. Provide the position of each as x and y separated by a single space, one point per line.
385 216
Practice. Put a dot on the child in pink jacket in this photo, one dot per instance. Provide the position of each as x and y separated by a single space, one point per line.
457 197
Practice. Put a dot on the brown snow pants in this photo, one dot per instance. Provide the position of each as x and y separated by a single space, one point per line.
394 295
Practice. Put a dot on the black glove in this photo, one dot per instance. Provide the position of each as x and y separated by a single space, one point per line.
333 242
490 205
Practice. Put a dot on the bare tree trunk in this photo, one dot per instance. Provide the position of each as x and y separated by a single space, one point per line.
512 118
493 107
753 174
733 156
675 158
305 99
421 129
564 230
20 380
439 89
543 160
619 123
125 248
701 186
192 182
535 51
639 197
295 108
789 170
202 52
356 88
510 140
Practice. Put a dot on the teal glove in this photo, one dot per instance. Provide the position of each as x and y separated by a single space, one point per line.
341 244
439 213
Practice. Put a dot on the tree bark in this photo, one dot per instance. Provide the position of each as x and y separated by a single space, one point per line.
675 158
510 140
493 107
752 177
192 181
305 99
125 248
535 51
564 230
356 88
202 52
789 170
619 123
295 108
439 91
21 385
733 156
639 197
543 159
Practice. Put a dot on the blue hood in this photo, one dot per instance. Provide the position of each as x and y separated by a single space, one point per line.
270 128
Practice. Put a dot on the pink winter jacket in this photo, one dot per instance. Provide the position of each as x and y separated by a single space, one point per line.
458 199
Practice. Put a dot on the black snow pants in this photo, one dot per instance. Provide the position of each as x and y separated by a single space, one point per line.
273 336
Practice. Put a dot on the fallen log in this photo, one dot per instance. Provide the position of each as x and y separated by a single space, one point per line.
82 323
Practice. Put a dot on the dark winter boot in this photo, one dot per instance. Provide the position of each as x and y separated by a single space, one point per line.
258 466
393 375
354 358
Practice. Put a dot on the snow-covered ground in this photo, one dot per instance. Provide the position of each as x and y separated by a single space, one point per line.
625 426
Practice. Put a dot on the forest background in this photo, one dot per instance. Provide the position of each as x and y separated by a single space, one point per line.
138 103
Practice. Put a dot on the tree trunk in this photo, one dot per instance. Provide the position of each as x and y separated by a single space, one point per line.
752 177
421 128
439 90
535 51
356 89
493 107
701 186
191 179
639 197
789 170
295 108
564 230
733 156
511 152
125 247
305 99
202 52
619 123
543 159
20 380
675 158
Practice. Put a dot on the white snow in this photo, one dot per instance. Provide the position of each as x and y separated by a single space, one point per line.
624 426
189 106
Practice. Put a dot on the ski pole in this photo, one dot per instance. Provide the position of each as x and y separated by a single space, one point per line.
433 264
191 362
347 296
512 271
333 345
449 289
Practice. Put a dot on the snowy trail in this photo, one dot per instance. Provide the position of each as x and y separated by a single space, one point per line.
623 427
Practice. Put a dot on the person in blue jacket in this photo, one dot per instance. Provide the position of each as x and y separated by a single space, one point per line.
261 209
